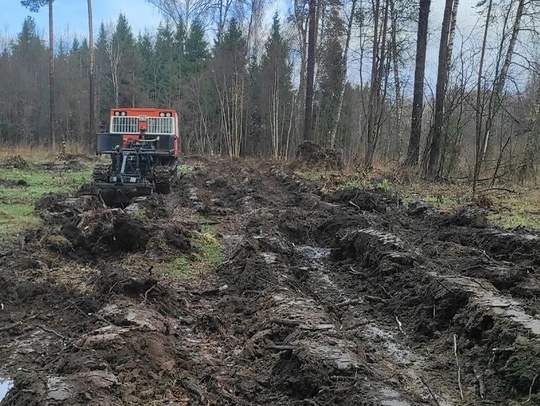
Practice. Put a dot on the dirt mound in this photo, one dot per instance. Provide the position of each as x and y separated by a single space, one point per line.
13 183
82 227
63 165
62 206
311 155
151 207
248 268
16 162
368 200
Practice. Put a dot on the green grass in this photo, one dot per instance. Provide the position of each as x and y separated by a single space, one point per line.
520 208
208 254
17 203
178 268
331 181
208 244
15 218
185 168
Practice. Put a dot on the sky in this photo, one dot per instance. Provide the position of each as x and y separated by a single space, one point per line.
71 19
70 16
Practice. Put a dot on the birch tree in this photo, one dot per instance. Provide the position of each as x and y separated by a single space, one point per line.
91 101
344 58
485 120
310 68
275 75
229 77
377 89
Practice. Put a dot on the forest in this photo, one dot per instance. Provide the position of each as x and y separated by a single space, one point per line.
346 74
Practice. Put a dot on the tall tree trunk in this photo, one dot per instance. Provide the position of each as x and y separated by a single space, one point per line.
344 80
501 79
52 137
299 107
310 71
440 93
495 100
91 106
373 85
479 117
397 79
375 105
413 152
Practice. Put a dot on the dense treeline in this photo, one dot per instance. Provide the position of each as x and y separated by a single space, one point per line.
242 90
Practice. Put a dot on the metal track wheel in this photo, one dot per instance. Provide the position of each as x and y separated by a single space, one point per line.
101 173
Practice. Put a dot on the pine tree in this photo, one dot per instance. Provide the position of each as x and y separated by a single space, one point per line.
29 72
123 58
165 68
104 88
146 69
196 51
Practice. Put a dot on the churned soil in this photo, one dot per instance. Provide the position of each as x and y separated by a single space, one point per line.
344 298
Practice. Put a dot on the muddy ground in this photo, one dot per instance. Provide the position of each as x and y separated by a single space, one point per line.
349 298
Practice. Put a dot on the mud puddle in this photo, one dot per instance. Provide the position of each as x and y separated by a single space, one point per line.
390 357
390 397
5 386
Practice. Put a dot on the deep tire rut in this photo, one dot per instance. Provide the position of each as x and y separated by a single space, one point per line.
348 298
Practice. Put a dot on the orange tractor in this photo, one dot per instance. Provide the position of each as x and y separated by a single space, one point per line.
143 146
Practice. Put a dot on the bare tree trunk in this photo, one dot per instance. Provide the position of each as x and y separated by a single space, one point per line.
495 100
373 87
442 80
91 107
299 106
310 72
375 93
52 137
115 56
275 128
479 102
413 152
344 81
397 80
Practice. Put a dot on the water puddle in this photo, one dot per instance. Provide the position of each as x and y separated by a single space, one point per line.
413 365
314 253
269 257
399 354
392 398
5 386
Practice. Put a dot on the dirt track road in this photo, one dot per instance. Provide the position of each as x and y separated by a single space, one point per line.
345 299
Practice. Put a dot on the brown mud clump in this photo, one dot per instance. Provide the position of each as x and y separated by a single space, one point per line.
13 183
15 162
310 155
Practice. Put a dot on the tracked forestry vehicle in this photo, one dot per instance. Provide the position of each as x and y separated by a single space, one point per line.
143 146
